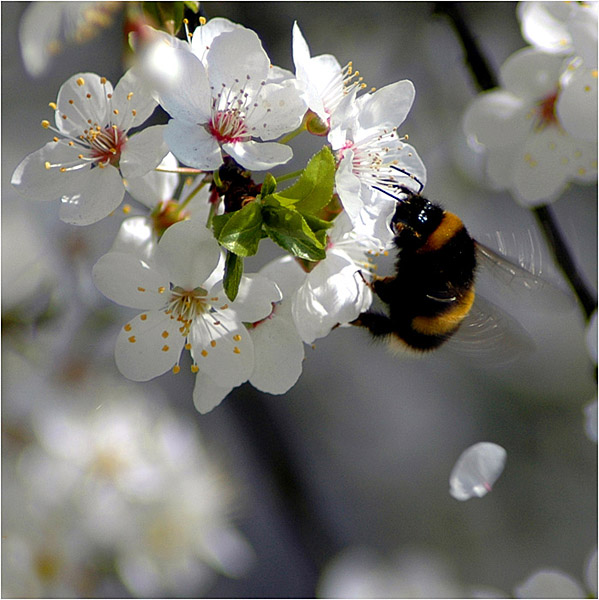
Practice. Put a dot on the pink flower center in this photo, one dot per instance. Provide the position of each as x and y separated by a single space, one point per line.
105 144
228 126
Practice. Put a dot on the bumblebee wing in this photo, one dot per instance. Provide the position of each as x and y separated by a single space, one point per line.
522 282
489 335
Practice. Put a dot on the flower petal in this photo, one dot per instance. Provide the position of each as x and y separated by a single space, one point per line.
576 104
34 181
136 236
127 280
387 107
190 253
155 187
476 470
531 74
179 78
148 346
279 353
254 299
259 156
133 99
236 59
496 119
143 151
222 348
193 145
100 191
81 97
204 36
207 394
279 109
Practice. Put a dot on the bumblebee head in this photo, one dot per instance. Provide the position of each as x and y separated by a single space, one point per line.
415 219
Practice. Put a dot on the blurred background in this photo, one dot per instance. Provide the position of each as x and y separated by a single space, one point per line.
260 497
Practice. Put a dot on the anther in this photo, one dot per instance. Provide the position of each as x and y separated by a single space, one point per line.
80 81
195 368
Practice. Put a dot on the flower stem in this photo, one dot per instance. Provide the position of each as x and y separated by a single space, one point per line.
180 170
485 79
291 135
193 193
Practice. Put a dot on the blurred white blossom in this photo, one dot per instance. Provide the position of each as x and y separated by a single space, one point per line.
114 478
45 28
361 573
528 151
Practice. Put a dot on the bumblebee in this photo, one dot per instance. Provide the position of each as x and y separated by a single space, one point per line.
432 292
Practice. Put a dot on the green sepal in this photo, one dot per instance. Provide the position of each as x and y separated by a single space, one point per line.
289 229
233 273
241 231
269 185
314 188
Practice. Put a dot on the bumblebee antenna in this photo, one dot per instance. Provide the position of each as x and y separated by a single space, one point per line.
396 168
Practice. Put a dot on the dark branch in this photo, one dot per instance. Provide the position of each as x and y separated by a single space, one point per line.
564 259
477 63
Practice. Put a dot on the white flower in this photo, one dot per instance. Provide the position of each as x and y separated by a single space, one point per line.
185 308
528 151
476 470
324 82
83 166
224 104
374 162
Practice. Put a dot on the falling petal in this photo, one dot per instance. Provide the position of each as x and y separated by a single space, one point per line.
476 470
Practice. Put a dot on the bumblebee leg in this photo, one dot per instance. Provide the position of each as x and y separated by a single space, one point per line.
378 324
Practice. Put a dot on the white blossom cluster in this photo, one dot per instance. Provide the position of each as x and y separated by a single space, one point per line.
228 105
539 128
110 486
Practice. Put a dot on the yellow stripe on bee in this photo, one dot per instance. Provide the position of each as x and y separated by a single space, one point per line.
447 321
448 227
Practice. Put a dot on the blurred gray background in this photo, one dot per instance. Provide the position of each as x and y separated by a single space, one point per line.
359 452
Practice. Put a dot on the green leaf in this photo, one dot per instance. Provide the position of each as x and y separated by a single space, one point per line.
241 232
314 188
289 229
218 222
269 185
233 273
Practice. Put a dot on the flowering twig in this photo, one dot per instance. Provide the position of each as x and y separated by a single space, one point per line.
485 79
